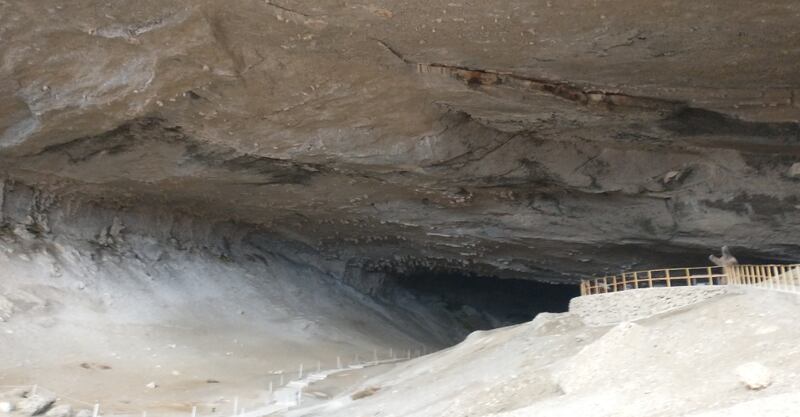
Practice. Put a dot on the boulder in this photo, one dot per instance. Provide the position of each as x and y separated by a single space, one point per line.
35 404
754 375
64 410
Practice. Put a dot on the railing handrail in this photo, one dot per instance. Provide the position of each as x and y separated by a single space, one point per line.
785 276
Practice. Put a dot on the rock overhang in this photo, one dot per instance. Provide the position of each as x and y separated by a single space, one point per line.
520 139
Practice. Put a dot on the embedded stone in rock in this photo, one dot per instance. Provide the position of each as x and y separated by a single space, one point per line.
794 170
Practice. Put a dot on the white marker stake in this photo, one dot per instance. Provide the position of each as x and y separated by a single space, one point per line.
194 411
96 410
270 388
300 372
391 353
235 405
408 354
319 366
375 356
281 384
338 362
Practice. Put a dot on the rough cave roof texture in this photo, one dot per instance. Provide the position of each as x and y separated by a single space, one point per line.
542 139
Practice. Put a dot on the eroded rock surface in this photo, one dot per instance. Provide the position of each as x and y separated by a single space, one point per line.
518 138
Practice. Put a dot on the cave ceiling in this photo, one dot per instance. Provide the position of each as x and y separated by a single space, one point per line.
538 139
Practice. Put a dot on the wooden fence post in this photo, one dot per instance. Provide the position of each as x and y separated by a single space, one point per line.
669 280
786 277
775 276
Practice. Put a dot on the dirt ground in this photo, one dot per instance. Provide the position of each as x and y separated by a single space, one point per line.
680 363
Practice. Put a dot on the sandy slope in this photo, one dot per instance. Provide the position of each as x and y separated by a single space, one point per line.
98 323
674 364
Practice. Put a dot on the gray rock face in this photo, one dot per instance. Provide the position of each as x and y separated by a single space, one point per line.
6 309
511 138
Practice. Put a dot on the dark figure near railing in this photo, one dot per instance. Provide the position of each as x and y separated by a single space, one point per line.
725 260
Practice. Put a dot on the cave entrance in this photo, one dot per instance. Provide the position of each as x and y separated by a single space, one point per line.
485 302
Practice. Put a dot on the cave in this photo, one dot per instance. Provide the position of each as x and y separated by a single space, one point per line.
488 302
203 201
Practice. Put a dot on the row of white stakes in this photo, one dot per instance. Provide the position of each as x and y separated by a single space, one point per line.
236 411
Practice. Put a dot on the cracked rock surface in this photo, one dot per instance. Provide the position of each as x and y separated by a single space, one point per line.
534 139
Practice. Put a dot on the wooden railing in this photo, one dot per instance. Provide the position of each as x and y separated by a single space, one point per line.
776 277
779 277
